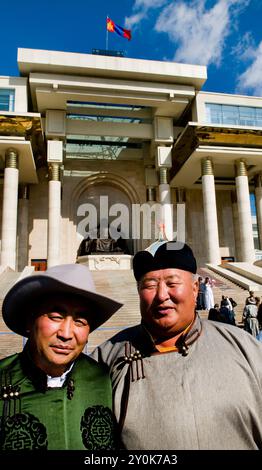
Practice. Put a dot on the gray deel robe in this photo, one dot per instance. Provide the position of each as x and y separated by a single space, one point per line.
207 396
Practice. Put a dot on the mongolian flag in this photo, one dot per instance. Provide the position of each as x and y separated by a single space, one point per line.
114 28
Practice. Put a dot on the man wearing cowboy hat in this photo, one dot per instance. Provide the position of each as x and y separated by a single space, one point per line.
51 395
180 382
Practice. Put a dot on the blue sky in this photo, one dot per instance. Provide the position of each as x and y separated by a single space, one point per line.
224 35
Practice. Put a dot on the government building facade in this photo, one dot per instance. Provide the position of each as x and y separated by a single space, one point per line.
111 148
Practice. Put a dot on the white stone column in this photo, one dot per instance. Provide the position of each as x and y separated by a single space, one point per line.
151 201
244 213
165 200
151 182
9 213
23 213
54 216
210 213
236 226
258 195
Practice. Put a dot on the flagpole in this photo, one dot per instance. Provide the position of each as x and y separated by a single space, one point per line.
106 34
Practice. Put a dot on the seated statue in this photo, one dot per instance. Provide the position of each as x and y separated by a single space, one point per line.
105 245
90 246
84 247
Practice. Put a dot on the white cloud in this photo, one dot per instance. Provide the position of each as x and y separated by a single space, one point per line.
245 48
130 21
199 33
149 3
250 81
140 10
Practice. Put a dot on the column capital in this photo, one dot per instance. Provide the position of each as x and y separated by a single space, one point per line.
207 166
163 130
164 156
54 172
11 158
240 168
163 175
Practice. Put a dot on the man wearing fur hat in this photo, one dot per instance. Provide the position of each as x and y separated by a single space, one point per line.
180 382
51 395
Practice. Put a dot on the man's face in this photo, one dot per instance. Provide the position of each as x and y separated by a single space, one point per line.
167 301
58 333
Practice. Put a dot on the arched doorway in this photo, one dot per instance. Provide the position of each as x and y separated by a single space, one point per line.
104 202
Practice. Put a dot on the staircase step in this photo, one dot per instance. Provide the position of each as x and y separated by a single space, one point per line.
7 280
239 280
247 270
121 286
224 286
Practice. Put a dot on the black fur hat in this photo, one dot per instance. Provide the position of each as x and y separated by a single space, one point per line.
169 255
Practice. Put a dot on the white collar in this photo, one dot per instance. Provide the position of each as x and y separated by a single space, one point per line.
53 382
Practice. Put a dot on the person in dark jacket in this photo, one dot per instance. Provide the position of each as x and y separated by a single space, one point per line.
52 396
214 313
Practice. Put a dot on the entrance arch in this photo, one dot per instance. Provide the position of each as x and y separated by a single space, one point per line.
99 189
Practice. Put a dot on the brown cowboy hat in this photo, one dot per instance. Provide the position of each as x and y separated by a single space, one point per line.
75 279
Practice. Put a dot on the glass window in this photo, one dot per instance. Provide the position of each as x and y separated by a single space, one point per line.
230 114
89 104
7 99
85 117
247 116
258 112
214 113
259 117
236 115
109 112
98 147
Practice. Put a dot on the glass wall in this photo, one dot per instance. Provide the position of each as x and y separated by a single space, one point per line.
236 115
7 99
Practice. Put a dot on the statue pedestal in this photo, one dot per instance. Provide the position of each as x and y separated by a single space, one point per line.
103 261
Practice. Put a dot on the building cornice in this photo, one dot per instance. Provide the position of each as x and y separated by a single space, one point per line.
34 60
196 135
27 126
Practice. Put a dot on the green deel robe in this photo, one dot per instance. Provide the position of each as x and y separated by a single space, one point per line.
76 416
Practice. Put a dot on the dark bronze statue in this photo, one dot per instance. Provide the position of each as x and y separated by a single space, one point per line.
90 246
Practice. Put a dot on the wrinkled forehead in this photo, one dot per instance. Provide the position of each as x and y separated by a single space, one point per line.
167 274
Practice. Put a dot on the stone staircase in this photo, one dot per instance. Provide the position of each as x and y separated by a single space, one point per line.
245 275
7 279
223 286
121 286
